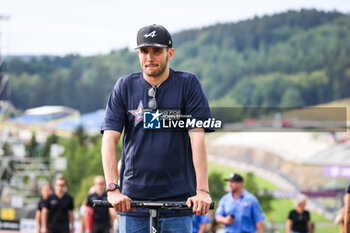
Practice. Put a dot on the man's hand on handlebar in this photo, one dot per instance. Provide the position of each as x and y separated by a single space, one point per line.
200 203
119 201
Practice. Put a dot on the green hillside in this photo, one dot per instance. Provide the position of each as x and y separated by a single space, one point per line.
291 59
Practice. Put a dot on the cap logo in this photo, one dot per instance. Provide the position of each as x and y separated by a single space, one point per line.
152 34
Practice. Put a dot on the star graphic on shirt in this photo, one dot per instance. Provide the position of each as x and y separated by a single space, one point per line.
138 113
156 115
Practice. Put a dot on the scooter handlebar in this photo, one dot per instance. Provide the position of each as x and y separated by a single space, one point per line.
176 205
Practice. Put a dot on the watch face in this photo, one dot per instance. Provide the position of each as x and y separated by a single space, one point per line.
111 186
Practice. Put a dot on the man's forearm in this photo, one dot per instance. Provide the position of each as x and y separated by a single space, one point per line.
288 227
44 213
202 228
109 156
347 213
309 226
260 227
71 218
37 220
221 220
199 158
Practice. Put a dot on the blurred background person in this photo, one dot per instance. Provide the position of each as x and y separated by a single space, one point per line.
199 223
339 219
45 192
84 227
102 218
58 210
239 210
299 219
213 226
347 211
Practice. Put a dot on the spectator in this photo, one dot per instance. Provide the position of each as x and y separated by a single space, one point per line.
347 211
199 223
45 192
239 210
213 226
57 213
82 214
102 218
299 218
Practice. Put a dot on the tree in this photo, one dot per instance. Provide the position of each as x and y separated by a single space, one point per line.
216 186
292 99
81 135
264 196
6 148
45 152
32 147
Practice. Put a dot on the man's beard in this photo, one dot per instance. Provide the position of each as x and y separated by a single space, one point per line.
235 190
160 71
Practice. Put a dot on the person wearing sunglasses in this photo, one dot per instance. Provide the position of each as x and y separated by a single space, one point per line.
157 164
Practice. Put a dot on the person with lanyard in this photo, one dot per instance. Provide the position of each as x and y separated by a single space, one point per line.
239 210
299 219
347 210
158 164
199 223
45 192
102 218
58 213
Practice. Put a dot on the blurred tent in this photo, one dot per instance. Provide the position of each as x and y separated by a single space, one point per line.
46 120
91 122
45 114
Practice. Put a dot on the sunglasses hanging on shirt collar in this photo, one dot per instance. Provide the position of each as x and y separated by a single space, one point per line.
152 103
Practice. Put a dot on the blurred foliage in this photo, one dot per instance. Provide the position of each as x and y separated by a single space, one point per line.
83 153
6 149
32 147
216 186
291 59
45 151
264 196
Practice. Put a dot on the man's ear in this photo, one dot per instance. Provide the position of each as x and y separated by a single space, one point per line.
171 52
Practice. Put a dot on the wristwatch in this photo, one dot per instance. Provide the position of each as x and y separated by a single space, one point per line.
112 187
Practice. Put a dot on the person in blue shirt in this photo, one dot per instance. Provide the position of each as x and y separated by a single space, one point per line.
158 163
199 223
239 210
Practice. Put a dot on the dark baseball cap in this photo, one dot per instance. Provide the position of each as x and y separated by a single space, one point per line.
234 177
154 35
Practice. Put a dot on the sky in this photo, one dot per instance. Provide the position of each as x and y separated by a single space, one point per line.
91 27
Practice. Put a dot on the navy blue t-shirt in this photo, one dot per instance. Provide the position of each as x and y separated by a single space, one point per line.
58 217
156 164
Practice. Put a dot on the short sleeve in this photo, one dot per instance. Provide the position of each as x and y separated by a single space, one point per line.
71 203
197 103
307 216
290 216
257 212
115 110
40 205
348 190
204 218
46 202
